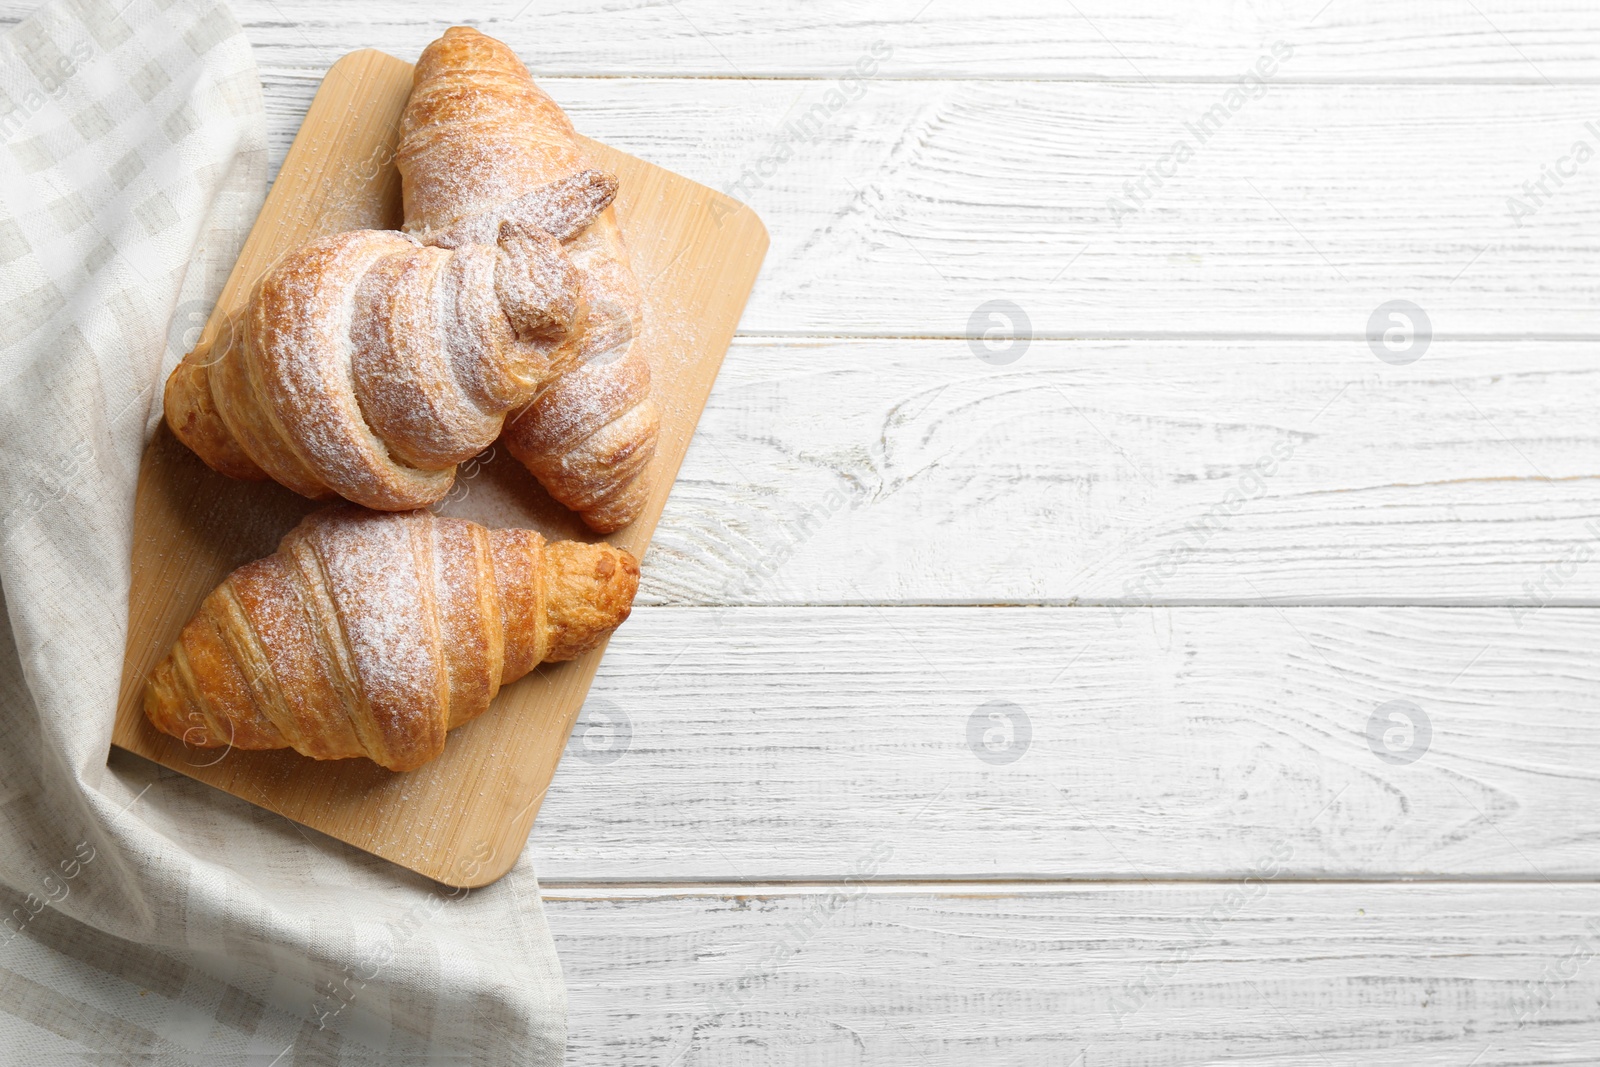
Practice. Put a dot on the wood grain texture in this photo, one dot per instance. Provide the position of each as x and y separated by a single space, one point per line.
895 471
462 818
781 743
949 976
1312 206
790 743
1399 40
923 198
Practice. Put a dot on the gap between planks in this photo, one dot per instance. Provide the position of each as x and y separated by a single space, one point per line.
1041 39
1288 974
1170 744
855 472
1309 210
979 889
312 73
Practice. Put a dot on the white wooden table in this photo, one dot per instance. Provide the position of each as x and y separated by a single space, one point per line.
1040 712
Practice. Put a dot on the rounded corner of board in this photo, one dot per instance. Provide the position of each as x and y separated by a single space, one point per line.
482 874
365 57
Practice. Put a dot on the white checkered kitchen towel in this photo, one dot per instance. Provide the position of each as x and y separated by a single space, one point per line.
148 918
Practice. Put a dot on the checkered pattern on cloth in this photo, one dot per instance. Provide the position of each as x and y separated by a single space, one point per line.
148 918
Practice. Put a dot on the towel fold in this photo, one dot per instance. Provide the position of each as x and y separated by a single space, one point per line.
148 918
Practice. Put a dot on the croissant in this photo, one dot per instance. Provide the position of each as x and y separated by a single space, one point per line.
477 140
366 365
371 634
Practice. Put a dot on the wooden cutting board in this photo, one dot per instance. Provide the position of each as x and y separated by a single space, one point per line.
464 818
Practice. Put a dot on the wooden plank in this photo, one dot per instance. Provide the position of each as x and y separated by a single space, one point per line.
876 471
463 818
1312 207
783 743
1398 40
1082 975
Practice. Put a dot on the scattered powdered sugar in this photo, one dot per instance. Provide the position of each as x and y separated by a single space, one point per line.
560 208
479 138
380 373
305 354
381 585
411 314
486 138
673 345
608 380
481 144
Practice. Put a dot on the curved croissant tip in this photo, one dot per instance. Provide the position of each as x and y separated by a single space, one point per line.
591 590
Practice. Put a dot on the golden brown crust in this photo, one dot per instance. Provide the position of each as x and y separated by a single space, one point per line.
477 132
603 476
561 208
193 417
590 590
370 634
519 567
478 140
367 365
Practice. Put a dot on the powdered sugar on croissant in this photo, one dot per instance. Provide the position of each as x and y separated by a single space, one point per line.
367 365
371 634
480 143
